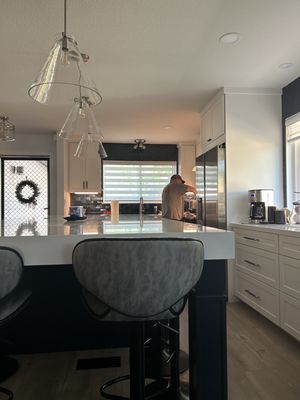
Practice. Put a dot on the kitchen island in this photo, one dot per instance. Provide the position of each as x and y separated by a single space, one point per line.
56 319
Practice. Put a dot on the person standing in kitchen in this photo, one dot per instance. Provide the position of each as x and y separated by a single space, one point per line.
173 197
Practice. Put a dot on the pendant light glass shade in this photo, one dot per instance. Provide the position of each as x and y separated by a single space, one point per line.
101 151
7 130
80 121
63 74
90 146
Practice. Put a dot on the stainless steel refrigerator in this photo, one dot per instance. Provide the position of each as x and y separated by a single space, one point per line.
211 188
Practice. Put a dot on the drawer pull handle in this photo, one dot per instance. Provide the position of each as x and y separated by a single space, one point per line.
250 238
252 263
252 294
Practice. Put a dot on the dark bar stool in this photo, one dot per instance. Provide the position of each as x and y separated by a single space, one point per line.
12 301
137 280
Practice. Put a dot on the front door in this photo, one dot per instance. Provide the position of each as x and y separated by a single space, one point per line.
24 189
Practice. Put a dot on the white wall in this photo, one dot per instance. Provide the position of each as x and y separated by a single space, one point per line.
253 149
186 162
253 154
35 145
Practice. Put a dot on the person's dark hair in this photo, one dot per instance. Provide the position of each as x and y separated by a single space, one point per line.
176 176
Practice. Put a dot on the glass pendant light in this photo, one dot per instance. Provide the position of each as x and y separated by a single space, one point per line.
80 120
63 73
7 130
90 146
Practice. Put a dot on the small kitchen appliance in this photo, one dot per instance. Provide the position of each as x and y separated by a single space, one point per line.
259 201
257 211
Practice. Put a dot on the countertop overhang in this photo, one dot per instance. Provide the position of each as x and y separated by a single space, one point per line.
51 241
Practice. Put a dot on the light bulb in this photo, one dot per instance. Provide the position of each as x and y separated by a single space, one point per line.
65 57
82 113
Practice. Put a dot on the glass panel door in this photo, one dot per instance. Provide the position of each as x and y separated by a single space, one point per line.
25 188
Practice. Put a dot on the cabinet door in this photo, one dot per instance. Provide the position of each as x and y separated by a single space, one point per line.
290 315
76 170
290 276
217 118
206 128
263 298
289 246
93 174
258 239
261 265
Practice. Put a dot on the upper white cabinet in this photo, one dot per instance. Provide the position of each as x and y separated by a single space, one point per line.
212 122
84 173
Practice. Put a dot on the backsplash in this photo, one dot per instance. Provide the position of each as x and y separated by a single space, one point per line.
93 205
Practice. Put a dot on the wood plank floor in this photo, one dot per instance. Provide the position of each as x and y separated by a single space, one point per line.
263 364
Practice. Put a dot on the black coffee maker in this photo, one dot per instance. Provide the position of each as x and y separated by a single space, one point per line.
257 211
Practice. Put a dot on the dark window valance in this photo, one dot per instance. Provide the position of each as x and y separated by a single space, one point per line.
153 152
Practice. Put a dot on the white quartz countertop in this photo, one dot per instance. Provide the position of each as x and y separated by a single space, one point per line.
283 229
51 241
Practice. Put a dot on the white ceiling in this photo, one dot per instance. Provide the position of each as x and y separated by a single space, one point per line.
155 62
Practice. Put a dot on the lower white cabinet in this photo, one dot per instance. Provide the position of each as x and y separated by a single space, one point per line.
290 315
261 297
290 276
267 275
260 264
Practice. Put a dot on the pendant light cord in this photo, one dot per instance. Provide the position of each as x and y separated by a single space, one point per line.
65 17
64 46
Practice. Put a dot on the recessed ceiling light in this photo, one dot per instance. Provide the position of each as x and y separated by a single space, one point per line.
285 65
230 38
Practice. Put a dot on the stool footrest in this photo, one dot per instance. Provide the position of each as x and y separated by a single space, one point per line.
152 390
7 392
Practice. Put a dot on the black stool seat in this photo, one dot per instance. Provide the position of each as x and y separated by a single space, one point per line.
12 301
137 280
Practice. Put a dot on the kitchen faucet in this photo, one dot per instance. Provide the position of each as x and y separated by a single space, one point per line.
141 205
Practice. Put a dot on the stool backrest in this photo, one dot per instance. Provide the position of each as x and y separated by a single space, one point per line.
11 266
139 277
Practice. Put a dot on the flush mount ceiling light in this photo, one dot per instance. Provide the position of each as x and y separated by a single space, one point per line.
230 38
286 65
80 121
64 73
7 130
139 145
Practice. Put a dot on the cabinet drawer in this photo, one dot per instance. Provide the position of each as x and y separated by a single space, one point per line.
261 265
290 276
289 246
290 315
261 297
260 240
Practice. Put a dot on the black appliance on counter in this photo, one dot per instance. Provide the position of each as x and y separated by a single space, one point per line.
257 211
211 189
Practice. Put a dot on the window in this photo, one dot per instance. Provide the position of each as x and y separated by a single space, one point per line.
127 181
293 158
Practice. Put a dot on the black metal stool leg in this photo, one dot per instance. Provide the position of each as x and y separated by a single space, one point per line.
174 349
137 362
8 366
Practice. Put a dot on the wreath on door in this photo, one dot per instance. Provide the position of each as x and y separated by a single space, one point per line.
27 192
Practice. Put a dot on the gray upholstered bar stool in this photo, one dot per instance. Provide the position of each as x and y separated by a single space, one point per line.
12 300
137 280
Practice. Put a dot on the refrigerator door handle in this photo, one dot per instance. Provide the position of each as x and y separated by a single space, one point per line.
200 209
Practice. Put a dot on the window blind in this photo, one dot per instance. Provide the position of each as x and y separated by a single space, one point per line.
127 181
293 128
